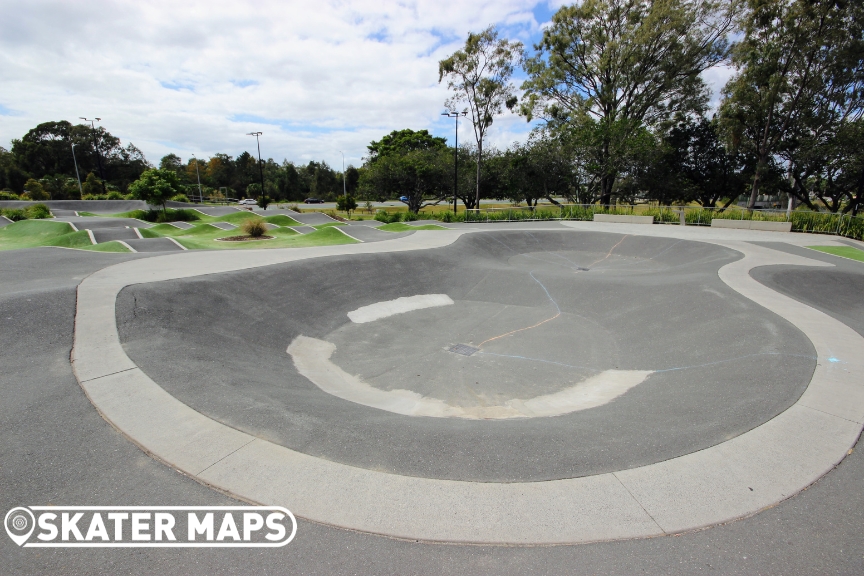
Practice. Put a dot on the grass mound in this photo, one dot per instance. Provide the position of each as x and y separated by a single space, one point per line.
282 220
31 233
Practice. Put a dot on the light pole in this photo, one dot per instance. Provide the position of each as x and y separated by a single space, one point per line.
344 188
200 197
96 146
77 175
455 115
260 166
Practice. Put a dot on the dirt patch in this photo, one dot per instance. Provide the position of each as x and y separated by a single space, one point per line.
244 238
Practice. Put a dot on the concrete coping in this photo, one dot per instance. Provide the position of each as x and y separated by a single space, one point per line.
727 481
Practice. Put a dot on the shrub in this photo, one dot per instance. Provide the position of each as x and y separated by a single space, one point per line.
38 211
114 195
264 201
254 227
410 217
8 195
95 197
170 215
388 217
346 203
14 214
35 190
293 207
180 198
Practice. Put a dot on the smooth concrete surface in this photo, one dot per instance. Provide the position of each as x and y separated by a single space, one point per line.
672 287
109 234
57 449
708 485
752 225
623 219
154 245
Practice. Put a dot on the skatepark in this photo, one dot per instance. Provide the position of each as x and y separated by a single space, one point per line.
498 396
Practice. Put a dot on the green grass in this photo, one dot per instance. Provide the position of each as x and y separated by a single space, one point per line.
32 233
400 227
328 225
78 239
844 251
285 238
282 220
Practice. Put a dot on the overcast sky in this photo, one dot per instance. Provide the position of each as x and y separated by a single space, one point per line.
315 77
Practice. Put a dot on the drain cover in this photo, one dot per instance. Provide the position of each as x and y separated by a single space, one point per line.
463 349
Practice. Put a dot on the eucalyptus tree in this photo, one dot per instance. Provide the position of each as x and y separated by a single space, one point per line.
608 68
479 76
799 79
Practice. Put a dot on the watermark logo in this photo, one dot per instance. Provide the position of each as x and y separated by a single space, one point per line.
150 526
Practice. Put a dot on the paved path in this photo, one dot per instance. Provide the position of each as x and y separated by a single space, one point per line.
56 449
733 479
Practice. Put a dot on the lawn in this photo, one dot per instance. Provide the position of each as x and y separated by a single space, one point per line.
205 236
400 227
32 233
843 251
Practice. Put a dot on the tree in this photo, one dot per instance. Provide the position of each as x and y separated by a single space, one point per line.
479 75
608 68
35 191
346 203
91 185
399 142
156 186
799 67
263 201
421 175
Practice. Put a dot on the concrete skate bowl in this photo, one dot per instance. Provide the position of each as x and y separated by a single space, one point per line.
507 356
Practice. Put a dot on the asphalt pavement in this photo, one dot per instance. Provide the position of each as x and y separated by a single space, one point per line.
56 449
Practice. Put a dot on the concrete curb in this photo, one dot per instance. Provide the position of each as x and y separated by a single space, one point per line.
730 480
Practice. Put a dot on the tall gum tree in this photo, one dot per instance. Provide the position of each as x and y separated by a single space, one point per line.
799 79
612 67
479 76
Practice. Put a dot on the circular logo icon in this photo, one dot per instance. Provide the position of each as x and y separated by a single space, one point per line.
19 524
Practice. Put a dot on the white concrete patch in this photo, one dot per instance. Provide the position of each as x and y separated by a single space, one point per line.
128 247
380 310
343 232
92 238
312 359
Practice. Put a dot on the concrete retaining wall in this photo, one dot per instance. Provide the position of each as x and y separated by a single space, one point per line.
752 225
623 219
110 206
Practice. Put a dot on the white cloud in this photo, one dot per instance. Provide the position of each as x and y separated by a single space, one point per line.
189 77
315 77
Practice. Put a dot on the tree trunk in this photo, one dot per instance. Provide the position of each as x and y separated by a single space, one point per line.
479 159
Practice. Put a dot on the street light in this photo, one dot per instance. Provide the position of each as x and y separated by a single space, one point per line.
455 115
96 146
260 166
78 176
343 175
200 197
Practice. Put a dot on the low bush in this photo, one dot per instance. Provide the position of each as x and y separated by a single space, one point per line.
95 197
14 214
293 207
114 195
254 227
180 198
8 195
169 215
38 212
388 217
